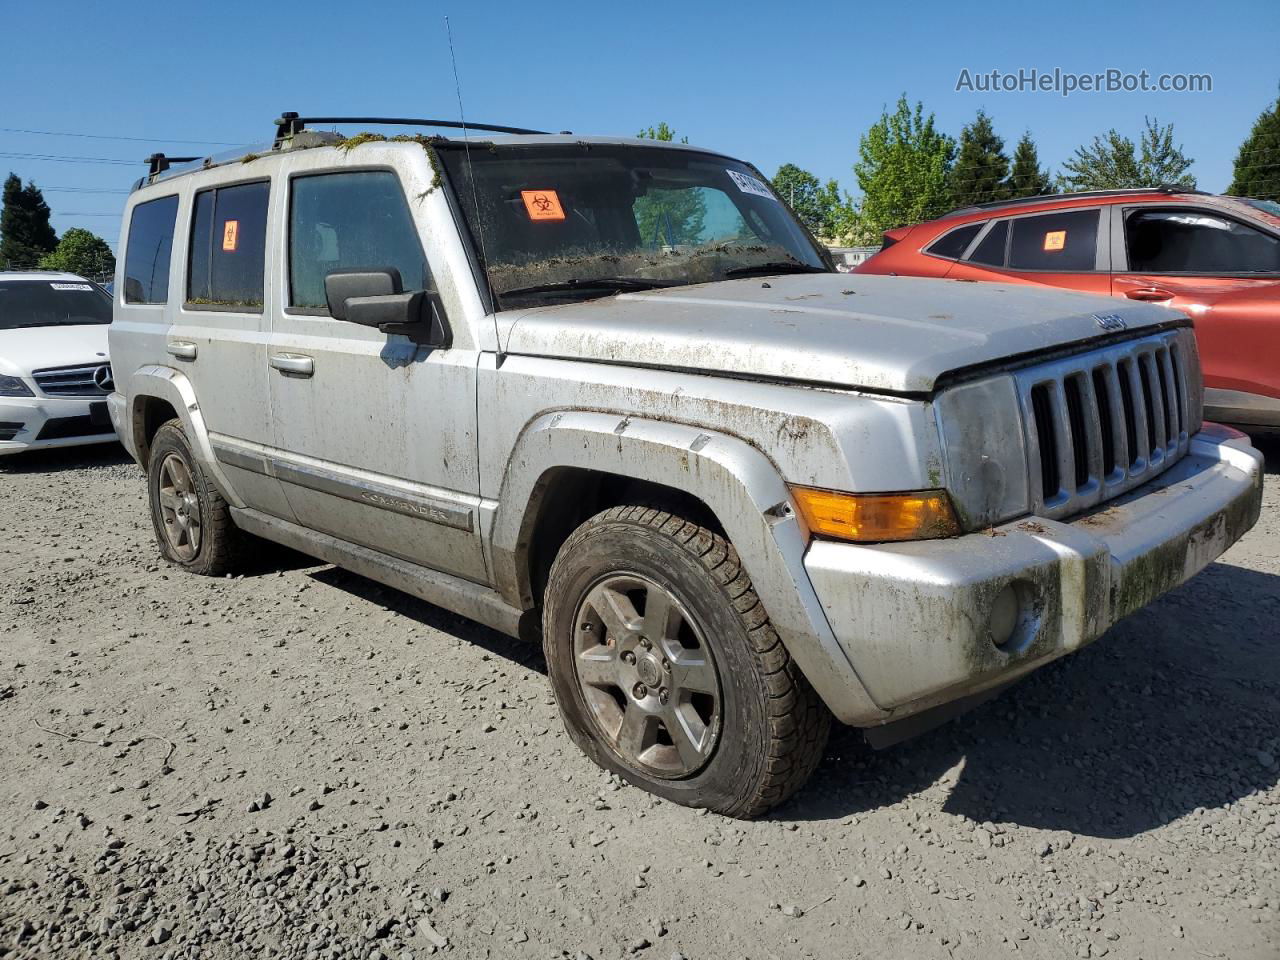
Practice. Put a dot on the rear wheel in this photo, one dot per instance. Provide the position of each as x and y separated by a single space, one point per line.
667 669
191 519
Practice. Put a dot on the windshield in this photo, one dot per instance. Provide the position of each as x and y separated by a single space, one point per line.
582 220
51 303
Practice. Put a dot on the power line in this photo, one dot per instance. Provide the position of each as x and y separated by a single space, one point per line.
58 213
80 190
101 136
67 159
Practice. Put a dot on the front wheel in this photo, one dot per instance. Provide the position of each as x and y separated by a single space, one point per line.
667 669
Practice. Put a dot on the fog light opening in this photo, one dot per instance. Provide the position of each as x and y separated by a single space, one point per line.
1006 614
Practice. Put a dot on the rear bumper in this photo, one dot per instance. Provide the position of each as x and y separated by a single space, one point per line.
43 423
914 618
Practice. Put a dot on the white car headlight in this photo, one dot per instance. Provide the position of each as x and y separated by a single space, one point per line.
14 387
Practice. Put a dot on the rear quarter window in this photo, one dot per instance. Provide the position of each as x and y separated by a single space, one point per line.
149 245
953 244
228 247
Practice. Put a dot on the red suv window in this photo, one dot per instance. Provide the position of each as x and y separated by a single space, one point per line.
1197 241
1055 242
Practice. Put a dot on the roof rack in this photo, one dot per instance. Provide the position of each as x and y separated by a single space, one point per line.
291 123
159 163
1169 188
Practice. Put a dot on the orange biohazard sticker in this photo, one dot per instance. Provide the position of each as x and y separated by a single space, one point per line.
542 204
1055 239
230 235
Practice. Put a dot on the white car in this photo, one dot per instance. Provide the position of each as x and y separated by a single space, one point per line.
54 372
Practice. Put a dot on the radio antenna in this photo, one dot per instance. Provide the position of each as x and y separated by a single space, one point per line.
475 198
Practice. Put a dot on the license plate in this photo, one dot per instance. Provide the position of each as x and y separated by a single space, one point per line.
98 415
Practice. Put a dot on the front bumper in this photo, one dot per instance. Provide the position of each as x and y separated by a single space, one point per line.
42 423
915 618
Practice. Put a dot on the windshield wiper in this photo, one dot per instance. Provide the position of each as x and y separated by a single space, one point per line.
772 267
615 284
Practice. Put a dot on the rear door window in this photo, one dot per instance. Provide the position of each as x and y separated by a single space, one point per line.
1197 241
349 221
990 250
146 258
228 247
1055 242
953 245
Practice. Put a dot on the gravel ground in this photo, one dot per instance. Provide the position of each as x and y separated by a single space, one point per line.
300 763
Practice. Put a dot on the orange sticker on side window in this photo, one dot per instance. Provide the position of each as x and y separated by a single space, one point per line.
230 234
542 204
1055 239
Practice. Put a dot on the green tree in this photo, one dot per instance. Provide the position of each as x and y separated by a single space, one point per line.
660 132
25 232
669 216
981 166
1114 162
819 206
80 251
902 169
1026 179
1257 171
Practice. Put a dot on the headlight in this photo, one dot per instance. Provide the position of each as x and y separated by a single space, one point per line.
877 517
983 442
14 387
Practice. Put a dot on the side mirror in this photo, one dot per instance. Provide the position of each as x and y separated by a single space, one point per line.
375 298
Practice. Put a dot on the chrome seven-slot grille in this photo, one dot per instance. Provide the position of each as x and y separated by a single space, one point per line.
85 380
1103 422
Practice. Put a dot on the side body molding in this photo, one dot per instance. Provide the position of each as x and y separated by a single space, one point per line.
170 385
734 479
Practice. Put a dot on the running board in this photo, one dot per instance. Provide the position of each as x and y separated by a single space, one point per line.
467 599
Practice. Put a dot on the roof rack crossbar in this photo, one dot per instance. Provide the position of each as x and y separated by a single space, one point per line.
159 163
291 123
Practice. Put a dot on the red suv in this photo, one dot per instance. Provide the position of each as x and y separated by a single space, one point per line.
1216 259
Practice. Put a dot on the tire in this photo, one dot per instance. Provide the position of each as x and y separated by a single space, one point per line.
639 705
192 522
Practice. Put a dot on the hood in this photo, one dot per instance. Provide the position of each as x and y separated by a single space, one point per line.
34 348
892 334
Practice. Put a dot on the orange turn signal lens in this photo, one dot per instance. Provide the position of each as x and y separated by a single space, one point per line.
877 517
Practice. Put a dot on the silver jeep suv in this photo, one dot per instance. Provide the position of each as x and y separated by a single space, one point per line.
611 394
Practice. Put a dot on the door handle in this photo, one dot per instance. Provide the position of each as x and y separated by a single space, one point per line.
293 364
182 349
1149 294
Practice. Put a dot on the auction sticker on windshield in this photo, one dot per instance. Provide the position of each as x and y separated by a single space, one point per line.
749 184
71 286
542 204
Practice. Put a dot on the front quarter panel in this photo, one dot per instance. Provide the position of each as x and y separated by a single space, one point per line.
735 480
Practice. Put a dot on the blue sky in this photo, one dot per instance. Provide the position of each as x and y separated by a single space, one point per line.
770 83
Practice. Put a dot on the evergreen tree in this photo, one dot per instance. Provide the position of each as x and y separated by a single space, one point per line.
1114 162
25 232
1257 171
981 166
902 169
1026 179
83 252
